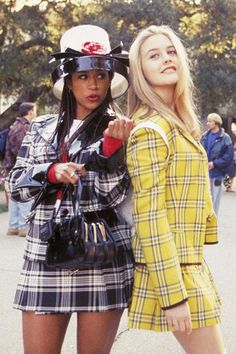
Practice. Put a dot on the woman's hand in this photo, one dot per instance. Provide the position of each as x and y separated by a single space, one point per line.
179 318
69 172
119 128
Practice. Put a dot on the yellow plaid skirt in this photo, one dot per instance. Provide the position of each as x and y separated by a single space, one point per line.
145 311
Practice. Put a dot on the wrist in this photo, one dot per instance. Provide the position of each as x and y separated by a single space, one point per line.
110 145
51 176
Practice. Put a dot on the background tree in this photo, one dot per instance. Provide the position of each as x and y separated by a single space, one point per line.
27 38
29 35
209 27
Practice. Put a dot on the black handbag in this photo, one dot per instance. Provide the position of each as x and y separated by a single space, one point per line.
80 243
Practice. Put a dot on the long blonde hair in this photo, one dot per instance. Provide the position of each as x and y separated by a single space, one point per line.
141 92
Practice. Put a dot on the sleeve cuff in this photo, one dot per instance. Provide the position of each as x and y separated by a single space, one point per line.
172 306
110 145
51 174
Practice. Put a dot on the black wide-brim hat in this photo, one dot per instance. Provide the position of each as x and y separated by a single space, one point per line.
85 48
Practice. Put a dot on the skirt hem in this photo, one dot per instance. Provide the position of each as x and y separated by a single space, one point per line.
150 327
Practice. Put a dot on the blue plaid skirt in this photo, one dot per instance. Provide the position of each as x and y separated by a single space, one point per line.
46 290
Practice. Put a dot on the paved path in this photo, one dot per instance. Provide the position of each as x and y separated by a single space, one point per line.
221 258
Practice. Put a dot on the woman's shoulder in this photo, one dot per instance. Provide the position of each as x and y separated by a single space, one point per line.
45 119
44 125
161 122
155 118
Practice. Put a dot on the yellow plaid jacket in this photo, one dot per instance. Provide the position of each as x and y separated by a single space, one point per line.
172 208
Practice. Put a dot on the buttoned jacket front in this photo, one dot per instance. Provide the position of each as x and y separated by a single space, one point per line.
172 207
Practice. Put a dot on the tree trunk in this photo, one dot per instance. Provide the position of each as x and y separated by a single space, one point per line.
10 114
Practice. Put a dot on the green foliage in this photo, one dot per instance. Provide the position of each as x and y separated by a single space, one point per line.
123 19
209 28
29 35
25 49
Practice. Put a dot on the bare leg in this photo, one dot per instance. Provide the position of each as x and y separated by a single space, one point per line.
44 334
207 340
96 331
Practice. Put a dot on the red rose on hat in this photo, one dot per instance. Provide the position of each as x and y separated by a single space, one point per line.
93 48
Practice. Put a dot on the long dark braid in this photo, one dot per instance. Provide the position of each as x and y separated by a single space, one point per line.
67 114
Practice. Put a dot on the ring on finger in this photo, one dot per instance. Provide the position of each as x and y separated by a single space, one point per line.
72 174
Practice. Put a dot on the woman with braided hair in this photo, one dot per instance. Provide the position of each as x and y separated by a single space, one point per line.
84 143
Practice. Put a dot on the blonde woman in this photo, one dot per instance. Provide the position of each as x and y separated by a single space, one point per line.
173 214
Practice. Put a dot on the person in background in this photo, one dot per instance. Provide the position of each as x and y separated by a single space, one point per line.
82 145
18 211
172 208
231 172
219 148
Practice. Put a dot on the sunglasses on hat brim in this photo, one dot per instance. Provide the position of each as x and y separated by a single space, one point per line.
88 63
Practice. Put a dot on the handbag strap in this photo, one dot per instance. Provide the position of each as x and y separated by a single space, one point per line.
58 202
76 201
